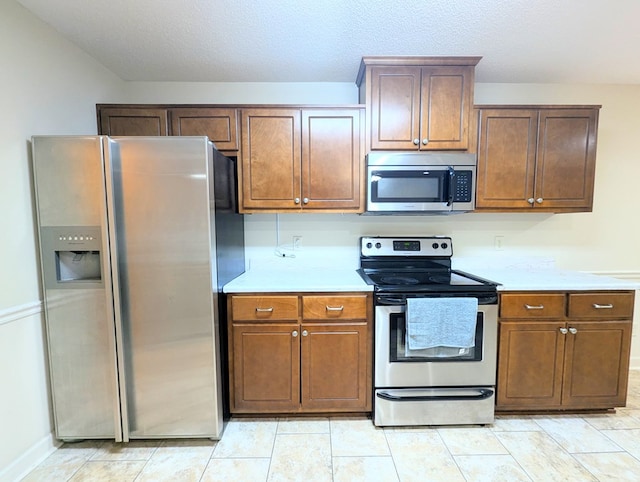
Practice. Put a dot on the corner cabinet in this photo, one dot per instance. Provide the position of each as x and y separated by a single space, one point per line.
539 158
300 353
124 120
564 350
218 123
296 159
417 103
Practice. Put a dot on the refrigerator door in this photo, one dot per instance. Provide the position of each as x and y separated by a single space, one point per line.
160 222
74 254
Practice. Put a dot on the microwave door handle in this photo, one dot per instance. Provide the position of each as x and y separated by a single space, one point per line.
451 186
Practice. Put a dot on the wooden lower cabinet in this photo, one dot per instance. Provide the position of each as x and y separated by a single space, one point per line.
318 362
574 359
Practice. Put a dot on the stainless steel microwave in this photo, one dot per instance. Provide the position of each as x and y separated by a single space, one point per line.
420 182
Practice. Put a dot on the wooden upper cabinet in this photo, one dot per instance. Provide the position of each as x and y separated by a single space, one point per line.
332 167
132 121
417 103
301 159
271 151
220 125
540 158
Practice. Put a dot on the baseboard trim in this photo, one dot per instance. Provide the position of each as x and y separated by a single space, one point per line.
30 459
19 312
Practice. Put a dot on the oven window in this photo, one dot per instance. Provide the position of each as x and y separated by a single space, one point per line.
408 186
400 353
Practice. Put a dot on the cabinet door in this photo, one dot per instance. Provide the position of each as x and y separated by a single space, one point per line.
133 121
265 372
597 364
218 124
506 158
530 364
445 107
270 168
395 107
332 164
335 367
565 162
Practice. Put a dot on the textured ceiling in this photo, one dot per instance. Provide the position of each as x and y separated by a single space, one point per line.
563 41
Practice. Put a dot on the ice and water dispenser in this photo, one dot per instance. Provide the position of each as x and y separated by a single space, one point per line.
72 257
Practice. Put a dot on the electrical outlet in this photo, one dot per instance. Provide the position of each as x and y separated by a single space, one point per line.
297 242
498 243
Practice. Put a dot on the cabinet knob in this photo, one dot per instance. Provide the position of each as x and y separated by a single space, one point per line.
530 200
539 200
297 200
425 141
294 334
564 331
305 200
416 141
305 332
573 331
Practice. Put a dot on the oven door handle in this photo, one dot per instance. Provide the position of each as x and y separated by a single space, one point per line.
481 394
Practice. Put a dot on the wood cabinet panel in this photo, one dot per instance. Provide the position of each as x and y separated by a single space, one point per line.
339 349
536 157
506 158
220 125
334 307
530 364
417 103
395 107
266 368
133 121
532 305
300 365
332 167
266 308
604 305
578 359
597 355
271 150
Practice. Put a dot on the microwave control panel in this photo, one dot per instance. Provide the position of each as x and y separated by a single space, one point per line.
462 182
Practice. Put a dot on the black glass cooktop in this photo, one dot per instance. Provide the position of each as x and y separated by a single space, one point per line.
398 280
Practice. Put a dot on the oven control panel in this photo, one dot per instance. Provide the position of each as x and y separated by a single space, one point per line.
406 246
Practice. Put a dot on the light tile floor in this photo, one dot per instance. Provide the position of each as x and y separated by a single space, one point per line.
603 447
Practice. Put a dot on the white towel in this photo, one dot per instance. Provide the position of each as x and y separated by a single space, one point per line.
441 322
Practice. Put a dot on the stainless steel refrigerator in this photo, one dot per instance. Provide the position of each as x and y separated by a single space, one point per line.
133 256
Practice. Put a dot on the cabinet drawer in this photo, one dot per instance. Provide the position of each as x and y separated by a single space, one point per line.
532 305
334 307
605 305
264 308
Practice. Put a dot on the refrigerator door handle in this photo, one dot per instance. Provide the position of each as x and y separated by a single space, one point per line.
122 424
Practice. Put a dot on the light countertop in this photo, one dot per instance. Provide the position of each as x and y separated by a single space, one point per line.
297 280
521 277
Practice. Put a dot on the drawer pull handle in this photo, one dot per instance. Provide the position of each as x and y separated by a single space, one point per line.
602 307
334 308
264 310
534 307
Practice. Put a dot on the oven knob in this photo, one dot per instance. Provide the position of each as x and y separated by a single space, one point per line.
434 245
369 245
378 245
444 245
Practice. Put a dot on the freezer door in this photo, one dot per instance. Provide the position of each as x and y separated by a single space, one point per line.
71 211
163 232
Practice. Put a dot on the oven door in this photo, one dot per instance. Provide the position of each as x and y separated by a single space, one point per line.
397 367
410 188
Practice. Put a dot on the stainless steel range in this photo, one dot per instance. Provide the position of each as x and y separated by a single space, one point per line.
435 334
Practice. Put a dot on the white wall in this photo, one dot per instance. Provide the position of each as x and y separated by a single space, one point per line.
47 86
